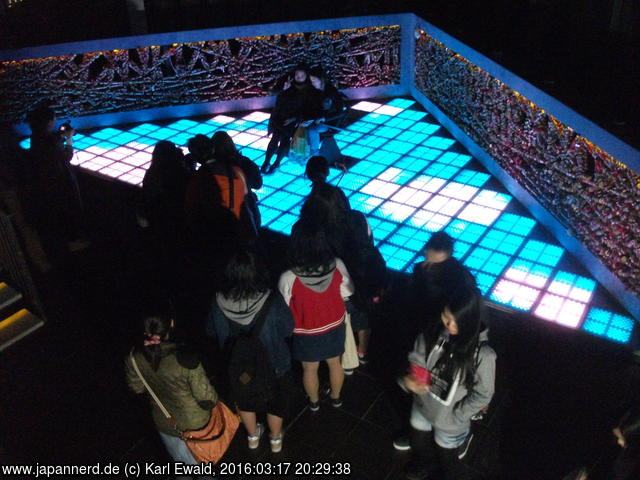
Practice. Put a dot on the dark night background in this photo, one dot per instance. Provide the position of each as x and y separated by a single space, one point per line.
583 52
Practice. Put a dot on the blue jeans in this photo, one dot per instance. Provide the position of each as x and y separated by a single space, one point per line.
177 449
444 440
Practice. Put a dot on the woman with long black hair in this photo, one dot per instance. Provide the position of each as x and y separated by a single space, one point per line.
452 378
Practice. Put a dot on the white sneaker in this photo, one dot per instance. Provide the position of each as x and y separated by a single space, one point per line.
254 440
276 443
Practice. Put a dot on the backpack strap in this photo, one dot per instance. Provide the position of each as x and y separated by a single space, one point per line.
230 177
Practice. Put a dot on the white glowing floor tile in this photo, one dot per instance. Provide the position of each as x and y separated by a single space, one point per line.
83 155
261 143
257 116
489 198
571 313
366 106
223 119
122 167
427 183
132 179
93 166
396 212
95 149
76 161
459 191
479 214
389 174
114 154
560 288
549 306
389 110
380 189
447 206
243 139
110 172
411 196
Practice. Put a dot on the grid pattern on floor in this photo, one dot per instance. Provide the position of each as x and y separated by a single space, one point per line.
409 182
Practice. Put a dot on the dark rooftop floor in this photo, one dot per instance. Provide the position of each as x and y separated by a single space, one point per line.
65 400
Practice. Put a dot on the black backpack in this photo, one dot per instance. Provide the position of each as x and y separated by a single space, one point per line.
251 375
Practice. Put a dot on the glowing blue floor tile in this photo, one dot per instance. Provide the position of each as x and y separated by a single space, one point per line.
283 200
84 142
371 141
466 231
471 177
382 157
387 132
484 281
299 186
284 223
441 170
252 153
428 128
352 181
368 169
454 159
106 133
201 129
412 115
364 203
292 168
439 142
144 128
347 136
412 137
361 127
381 227
397 146
124 137
357 151
180 139
401 123
412 164
541 252
604 323
278 180
264 192
515 223
375 118
502 241
461 248
425 153
25 143
401 102
268 214
162 133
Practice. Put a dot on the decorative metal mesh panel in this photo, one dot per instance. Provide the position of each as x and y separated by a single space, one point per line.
588 190
182 74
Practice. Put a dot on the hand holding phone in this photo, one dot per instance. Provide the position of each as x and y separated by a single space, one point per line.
420 375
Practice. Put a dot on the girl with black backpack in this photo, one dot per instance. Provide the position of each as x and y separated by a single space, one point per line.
251 323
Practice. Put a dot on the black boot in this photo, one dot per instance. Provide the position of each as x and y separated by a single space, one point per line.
452 467
421 465
271 149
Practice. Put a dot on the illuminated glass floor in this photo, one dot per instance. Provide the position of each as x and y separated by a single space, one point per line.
411 180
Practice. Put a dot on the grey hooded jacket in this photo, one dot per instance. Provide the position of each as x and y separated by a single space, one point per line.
455 417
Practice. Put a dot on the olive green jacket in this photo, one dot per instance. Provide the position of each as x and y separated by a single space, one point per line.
180 383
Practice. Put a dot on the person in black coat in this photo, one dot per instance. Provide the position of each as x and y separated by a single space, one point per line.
285 117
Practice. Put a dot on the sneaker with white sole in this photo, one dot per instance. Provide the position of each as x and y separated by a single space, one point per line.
362 358
348 371
402 444
314 406
276 443
464 448
254 440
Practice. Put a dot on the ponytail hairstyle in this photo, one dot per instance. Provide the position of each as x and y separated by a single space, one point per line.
156 331
466 306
